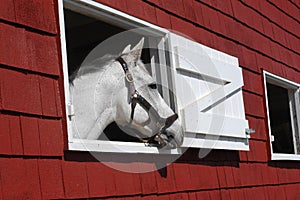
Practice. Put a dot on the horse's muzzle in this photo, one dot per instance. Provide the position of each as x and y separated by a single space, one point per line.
165 138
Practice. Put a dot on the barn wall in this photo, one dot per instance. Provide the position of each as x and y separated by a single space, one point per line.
33 163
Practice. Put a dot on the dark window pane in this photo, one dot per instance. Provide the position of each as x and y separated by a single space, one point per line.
280 119
83 34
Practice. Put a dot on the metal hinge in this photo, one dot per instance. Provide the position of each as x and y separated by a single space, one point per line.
249 131
272 138
71 110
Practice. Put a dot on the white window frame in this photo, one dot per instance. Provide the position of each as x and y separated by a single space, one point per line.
285 83
115 17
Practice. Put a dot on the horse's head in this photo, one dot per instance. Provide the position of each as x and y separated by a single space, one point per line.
140 106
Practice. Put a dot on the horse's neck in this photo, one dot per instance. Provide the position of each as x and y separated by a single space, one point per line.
92 100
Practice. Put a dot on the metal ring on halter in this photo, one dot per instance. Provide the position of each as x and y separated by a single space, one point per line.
128 77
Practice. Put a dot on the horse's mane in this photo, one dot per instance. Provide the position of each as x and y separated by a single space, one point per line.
96 65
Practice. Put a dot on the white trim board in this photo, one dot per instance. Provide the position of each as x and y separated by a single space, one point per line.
64 65
117 147
111 15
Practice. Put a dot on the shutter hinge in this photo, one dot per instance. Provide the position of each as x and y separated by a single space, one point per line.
249 131
272 138
71 110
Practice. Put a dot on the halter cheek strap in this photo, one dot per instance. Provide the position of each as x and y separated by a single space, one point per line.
132 90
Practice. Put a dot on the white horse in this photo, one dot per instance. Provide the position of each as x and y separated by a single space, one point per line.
103 93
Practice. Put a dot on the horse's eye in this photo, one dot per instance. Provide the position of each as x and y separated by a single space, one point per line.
152 86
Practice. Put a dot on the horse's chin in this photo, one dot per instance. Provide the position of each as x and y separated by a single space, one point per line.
137 130
175 135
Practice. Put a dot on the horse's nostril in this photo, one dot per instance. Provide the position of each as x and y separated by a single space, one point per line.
171 137
170 120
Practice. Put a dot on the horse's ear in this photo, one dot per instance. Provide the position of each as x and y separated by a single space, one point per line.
137 50
127 49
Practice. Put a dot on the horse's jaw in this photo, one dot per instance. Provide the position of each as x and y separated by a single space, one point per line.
92 115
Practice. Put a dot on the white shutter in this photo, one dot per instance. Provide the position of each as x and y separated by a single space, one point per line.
208 93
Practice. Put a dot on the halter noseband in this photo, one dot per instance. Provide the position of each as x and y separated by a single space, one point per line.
135 97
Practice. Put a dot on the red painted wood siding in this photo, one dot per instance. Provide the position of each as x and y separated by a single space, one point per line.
262 34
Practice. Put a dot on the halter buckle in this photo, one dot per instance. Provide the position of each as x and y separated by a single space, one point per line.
129 77
135 95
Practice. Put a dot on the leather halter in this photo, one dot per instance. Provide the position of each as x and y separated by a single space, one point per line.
135 97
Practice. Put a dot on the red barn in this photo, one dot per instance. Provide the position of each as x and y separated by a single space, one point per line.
42 41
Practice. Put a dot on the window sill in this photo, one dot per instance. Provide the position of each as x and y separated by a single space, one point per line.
117 147
280 156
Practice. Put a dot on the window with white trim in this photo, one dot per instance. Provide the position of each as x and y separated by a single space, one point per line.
282 99
205 83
